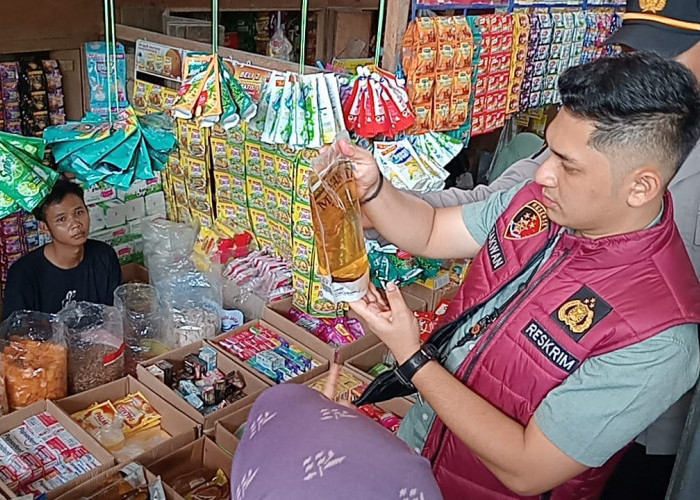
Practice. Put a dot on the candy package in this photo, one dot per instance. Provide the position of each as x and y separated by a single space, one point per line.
98 73
335 210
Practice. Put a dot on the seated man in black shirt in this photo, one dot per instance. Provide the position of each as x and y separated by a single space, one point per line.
71 267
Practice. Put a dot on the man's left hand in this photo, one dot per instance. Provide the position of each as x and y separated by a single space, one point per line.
394 323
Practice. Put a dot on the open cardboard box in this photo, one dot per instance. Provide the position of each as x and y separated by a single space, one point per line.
276 314
226 427
431 297
92 486
365 361
254 384
203 453
398 406
15 419
182 429
134 273
299 379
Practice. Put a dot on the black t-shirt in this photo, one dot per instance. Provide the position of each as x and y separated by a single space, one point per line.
35 284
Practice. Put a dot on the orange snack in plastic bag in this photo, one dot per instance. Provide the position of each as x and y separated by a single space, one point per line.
446 42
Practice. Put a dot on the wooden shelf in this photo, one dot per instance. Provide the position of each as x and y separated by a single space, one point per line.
131 34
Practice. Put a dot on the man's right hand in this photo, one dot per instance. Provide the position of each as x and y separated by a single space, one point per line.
365 168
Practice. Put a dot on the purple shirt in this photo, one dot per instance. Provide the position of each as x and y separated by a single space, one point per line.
300 445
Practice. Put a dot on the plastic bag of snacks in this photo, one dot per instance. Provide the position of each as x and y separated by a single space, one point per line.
95 340
4 406
335 211
146 332
35 358
167 248
195 303
129 483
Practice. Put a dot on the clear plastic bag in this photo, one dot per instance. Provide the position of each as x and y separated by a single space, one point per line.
195 303
146 332
336 216
95 340
35 358
167 248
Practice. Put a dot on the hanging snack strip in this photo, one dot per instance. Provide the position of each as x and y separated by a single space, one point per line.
377 105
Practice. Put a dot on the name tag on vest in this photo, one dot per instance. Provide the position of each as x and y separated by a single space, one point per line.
544 343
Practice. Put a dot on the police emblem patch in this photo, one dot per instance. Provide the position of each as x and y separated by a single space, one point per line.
581 312
653 6
529 221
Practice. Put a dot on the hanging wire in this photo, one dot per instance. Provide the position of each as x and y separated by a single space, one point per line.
113 46
380 32
302 43
108 60
214 26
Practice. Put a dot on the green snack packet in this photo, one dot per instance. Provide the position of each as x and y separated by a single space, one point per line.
26 183
7 205
32 146
246 105
312 118
229 115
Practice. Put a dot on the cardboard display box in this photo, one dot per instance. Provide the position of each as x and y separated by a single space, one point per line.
254 384
92 486
300 379
226 427
182 429
203 453
365 361
15 419
276 314
398 406
134 273
431 297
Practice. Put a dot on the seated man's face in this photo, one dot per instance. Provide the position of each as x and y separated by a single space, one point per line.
68 221
578 186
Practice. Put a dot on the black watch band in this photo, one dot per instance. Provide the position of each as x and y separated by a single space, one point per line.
406 372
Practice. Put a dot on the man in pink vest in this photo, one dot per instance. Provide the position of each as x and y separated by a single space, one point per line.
577 325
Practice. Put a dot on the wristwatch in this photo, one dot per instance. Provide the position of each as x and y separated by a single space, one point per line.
406 372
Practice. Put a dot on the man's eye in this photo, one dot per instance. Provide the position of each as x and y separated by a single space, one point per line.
61 219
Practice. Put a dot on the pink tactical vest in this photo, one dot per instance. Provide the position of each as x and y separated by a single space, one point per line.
640 283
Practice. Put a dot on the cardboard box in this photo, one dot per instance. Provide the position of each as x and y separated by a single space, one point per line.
16 418
114 213
135 209
398 406
181 428
254 384
98 193
275 314
203 453
110 235
155 203
135 273
225 439
97 218
431 297
94 485
300 379
364 362
140 188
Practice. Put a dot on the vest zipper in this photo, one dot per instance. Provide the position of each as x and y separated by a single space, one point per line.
509 313
440 337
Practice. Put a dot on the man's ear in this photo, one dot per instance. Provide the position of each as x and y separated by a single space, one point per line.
646 184
44 227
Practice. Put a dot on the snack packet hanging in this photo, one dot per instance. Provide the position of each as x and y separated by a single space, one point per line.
246 106
336 102
209 101
276 87
286 114
335 210
311 111
325 109
198 67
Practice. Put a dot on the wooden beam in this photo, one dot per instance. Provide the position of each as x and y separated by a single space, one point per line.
131 34
394 29
250 5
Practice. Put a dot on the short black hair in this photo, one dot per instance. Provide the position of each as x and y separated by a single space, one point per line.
60 190
644 107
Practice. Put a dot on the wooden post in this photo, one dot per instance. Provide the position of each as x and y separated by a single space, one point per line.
396 21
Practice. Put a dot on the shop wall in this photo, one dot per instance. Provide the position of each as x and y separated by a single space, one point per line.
45 25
